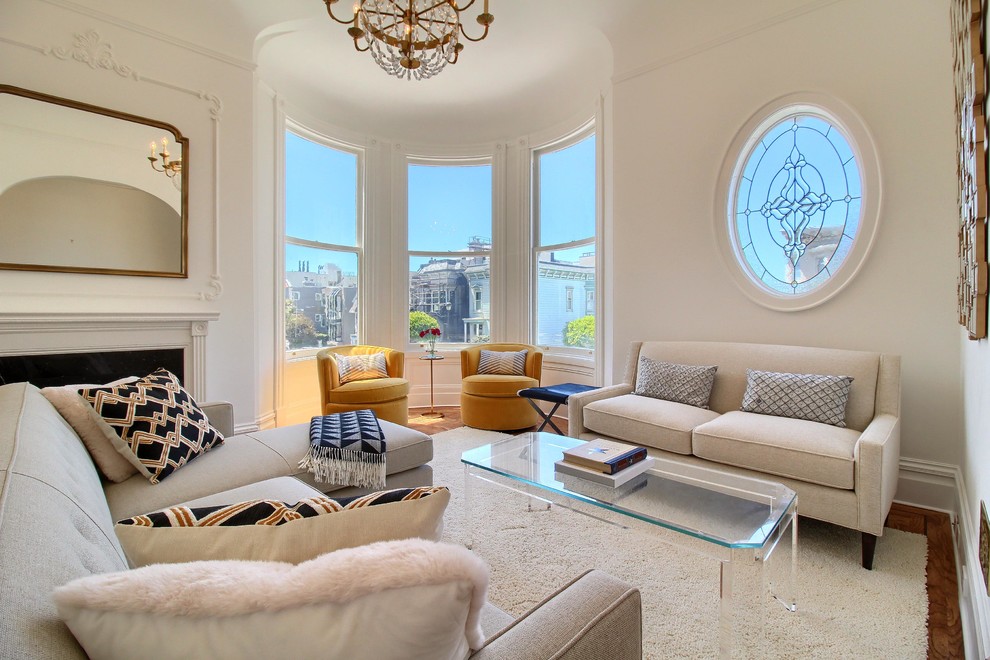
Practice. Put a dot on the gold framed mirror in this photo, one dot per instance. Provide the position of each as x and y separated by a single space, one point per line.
85 189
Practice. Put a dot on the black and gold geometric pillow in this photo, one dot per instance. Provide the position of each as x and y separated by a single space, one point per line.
272 512
156 420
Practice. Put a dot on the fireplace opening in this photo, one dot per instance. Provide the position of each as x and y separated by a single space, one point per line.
72 368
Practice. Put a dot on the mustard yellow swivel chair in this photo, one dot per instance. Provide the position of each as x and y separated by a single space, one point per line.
489 401
388 397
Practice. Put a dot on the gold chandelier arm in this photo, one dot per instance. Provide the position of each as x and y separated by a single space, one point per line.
358 48
468 37
466 7
329 4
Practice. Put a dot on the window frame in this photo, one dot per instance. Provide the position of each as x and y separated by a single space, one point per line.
863 146
586 130
302 131
451 161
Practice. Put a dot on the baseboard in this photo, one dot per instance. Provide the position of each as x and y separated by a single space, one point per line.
266 421
940 486
928 485
974 604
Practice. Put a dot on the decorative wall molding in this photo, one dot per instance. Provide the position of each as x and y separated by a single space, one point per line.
89 48
153 34
84 332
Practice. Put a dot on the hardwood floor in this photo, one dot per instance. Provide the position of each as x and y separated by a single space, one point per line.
944 626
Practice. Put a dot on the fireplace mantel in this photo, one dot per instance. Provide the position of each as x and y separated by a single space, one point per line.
50 332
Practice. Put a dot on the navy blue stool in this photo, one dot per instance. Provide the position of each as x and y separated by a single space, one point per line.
555 394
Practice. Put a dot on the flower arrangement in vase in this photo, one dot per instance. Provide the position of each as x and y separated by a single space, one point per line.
431 336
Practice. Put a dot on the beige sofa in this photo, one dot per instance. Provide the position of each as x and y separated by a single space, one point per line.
57 525
845 476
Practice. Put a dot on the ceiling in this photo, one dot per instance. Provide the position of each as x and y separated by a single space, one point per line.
543 65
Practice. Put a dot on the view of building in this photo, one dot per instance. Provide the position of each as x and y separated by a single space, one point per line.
321 307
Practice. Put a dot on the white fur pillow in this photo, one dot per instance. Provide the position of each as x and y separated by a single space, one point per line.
410 599
87 424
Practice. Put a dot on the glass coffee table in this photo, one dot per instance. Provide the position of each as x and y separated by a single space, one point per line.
739 521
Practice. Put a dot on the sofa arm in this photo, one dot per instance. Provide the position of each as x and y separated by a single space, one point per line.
221 416
595 616
878 455
577 402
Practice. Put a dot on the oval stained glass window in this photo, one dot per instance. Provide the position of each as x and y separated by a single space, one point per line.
796 207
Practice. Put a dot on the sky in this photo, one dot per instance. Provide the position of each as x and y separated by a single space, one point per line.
447 204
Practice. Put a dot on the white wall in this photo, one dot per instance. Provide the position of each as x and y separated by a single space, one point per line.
891 61
976 482
208 97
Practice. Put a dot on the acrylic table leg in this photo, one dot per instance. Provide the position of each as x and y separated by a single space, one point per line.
469 486
783 586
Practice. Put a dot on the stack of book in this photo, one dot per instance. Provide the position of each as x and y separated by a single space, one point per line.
605 462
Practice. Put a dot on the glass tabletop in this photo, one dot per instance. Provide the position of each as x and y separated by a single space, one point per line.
726 509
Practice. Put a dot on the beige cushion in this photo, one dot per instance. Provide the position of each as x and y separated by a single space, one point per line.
54 523
273 530
733 359
645 421
795 448
412 599
286 489
241 460
405 448
99 438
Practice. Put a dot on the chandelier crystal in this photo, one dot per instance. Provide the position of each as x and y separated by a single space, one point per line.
411 38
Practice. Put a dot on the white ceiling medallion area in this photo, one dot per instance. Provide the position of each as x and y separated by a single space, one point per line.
540 65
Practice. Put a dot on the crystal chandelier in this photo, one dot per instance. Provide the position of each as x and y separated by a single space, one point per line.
411 38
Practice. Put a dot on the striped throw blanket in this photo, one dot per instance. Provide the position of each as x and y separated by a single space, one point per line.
347 449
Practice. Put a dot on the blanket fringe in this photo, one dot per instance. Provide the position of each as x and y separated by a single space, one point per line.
346 467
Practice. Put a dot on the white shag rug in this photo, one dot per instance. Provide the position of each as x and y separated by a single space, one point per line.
844 611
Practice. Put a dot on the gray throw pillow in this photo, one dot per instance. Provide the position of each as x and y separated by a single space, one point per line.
502 363
680 383
817 398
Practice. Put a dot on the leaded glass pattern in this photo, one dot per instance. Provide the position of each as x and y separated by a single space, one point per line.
797 206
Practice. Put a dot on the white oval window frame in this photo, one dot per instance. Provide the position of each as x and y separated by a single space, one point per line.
863 146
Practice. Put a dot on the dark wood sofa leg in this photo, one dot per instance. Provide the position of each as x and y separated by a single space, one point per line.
869 547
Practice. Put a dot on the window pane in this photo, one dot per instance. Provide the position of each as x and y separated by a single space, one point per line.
566 298
453 294
567 193
797 209
450 207
320 192
321 301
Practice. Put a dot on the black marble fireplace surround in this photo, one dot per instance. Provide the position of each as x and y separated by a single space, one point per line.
72 368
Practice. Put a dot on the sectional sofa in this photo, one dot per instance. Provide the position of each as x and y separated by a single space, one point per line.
57 527
845 475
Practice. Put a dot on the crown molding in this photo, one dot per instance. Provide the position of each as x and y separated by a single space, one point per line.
153 34
720 40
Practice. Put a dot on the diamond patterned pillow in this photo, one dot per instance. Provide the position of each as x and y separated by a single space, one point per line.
813 397
158 423
503 363
361 367
680 383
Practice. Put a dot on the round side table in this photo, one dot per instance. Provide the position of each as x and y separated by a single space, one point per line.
433 413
